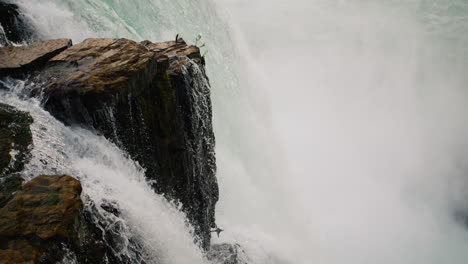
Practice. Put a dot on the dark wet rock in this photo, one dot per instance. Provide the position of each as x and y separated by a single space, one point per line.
15 139
8 186
17 60
227 254
153 101
13 26
44 223
107 229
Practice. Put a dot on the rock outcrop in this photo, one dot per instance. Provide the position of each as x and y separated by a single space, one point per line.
150 99
153 101
17 60
13 27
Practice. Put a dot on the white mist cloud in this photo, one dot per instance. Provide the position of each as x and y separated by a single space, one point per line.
370 103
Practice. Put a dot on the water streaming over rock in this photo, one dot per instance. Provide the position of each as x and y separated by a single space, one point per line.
147 228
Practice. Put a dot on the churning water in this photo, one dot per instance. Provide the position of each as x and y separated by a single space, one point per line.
341 125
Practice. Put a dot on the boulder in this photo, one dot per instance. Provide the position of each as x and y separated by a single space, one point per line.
18 59
227 254
45 223
42 215
153 101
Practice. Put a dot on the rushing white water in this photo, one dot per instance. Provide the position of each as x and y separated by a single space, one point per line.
108 177
340 124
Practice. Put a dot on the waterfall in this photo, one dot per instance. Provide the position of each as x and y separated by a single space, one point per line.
340 126
148 229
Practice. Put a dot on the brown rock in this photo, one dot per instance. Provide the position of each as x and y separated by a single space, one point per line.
172 48
103 65
42 215
17 59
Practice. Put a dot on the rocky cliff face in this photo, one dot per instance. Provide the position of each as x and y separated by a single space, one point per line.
151 99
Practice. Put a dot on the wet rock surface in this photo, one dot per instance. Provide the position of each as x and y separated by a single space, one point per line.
8 186
153 101
15 139
15 148
45 223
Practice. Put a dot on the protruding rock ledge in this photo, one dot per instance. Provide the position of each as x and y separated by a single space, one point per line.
18 59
